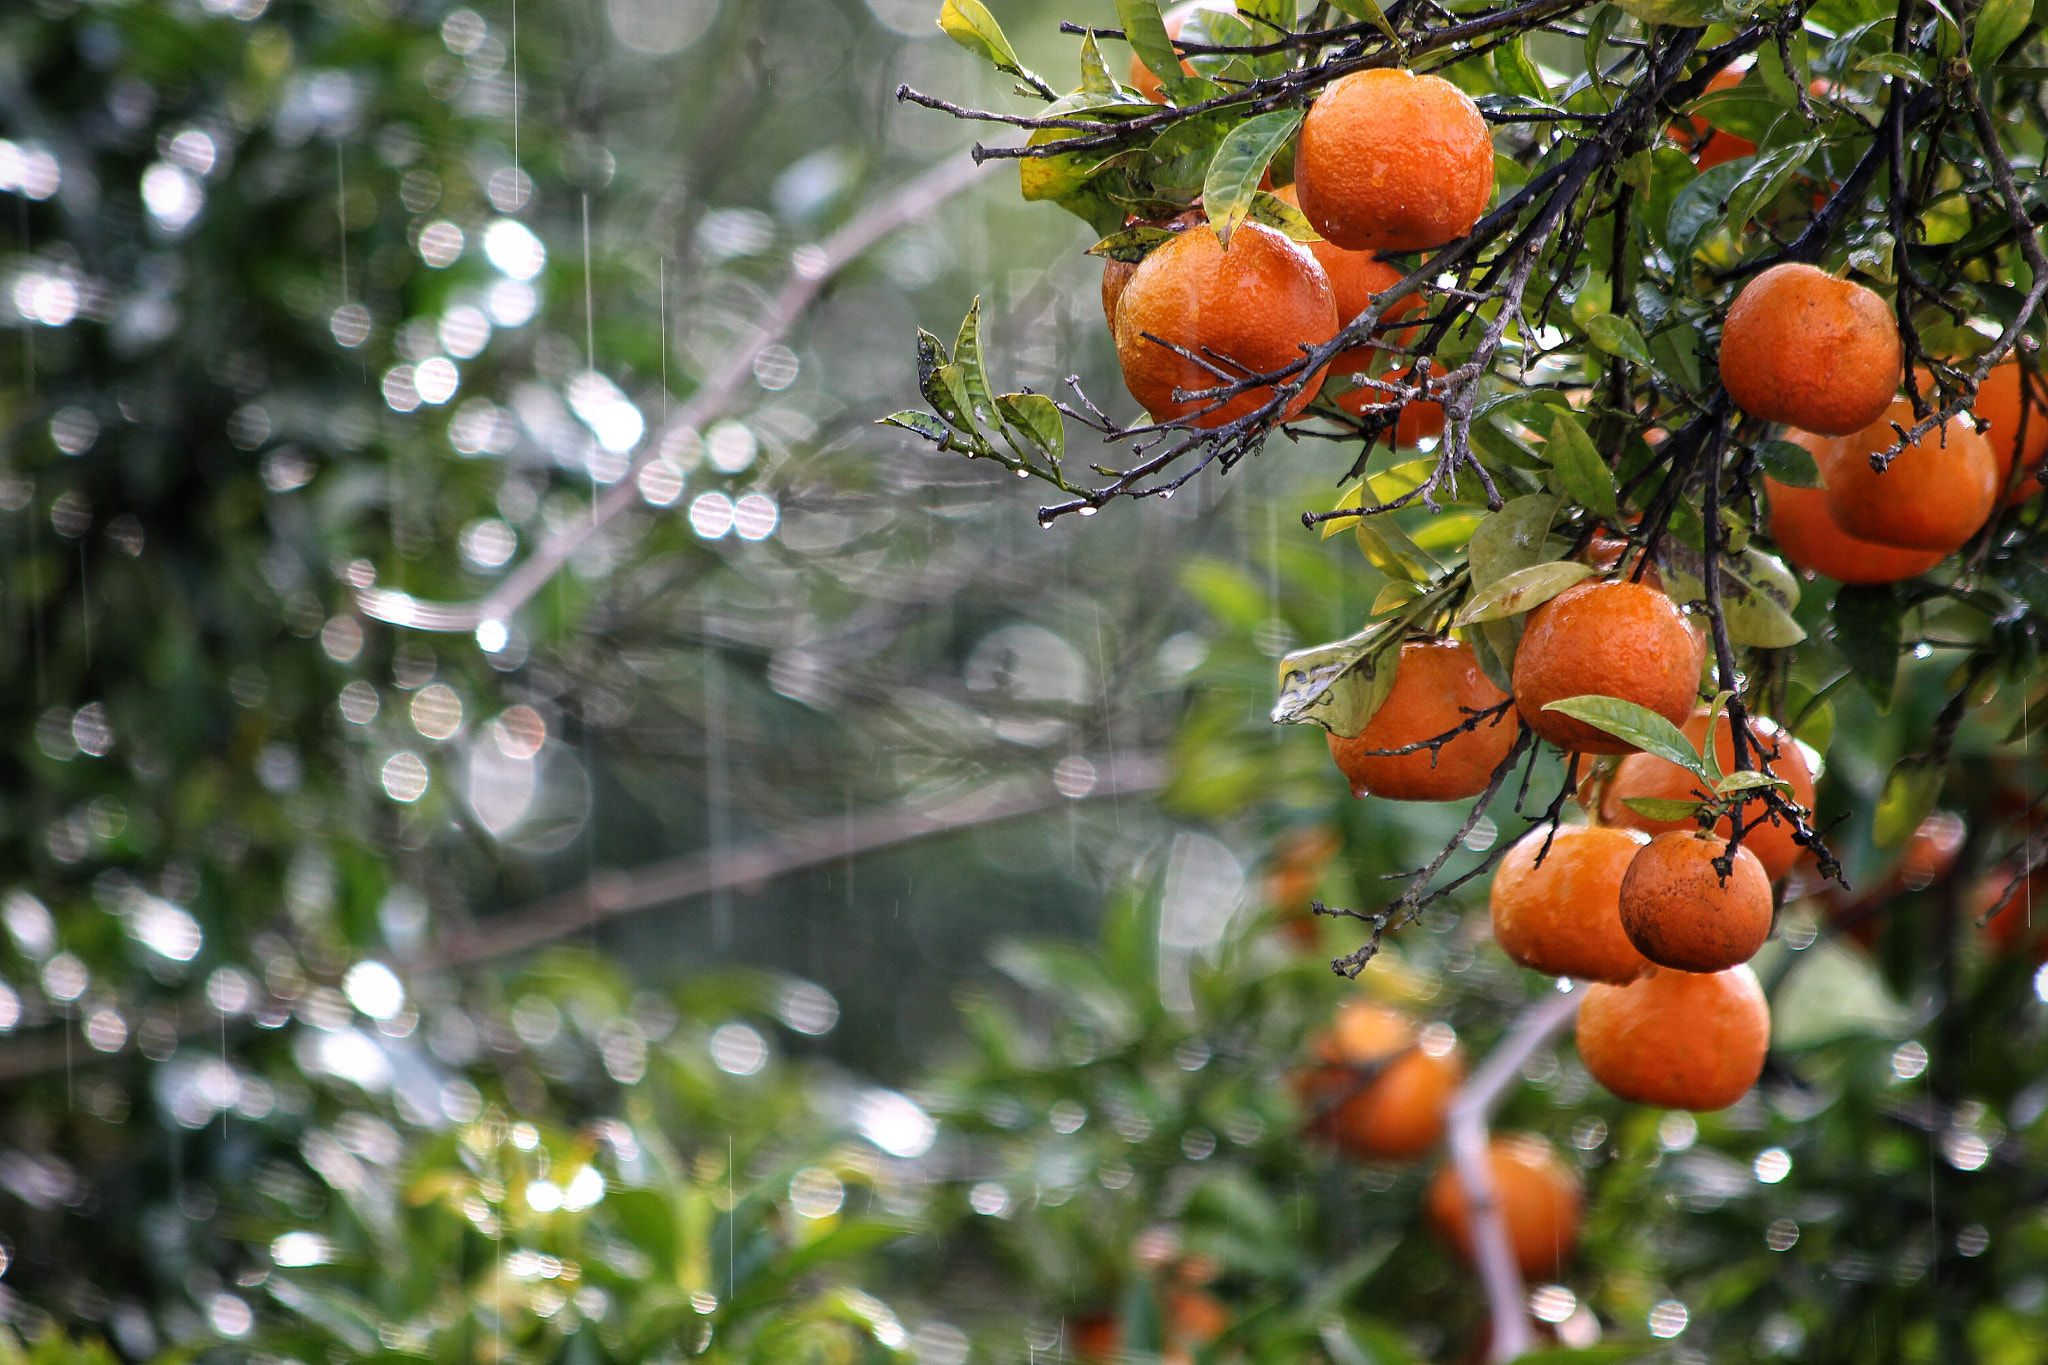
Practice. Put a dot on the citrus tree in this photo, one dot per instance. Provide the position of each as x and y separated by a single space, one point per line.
1675 366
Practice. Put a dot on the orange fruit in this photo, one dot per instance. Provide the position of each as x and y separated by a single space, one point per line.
1802 528
1538 1196
1394 1113
1646 775
1195 1317
1251 309
1613 639
1678 1040
1357 278
1393 161
1680 912
1935 495
1096 1337
1115 276
1998 406
1563 918
1439 683
1809 350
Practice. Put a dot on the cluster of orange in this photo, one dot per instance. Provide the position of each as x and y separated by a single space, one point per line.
1823 356
1631 904
1379 1091
1387 161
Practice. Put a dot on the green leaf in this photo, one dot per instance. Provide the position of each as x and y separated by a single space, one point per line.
1700 207
1393 597
1036 418
946 391
1867 631
1493 647
1744 110
1584 475
1145 30
1810 719
1757 596
968 23
1616 335
1276 213
1369 11
973 365
1784 84
931 353
1676 357
1894 64
1517 71
1749 780
1511 538
1657 808
1269 18
1351 499
1910 791
1410 475
1677 13
1791 465
1523 590
1638 725
1768 176
1178 160
1133 244
1095 74
1340 686
922 423
1239 163
1998 25
1388 549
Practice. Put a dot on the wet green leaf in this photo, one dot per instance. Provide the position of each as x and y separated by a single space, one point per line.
1523 590
1239 163
1700 207
1616 335
968 23
1910 791
1340 686
1388 549
1637 725
1276 213
923 423
1749 781
1095 74
1133 244
1791 465
967 355
1998 25
1895 64
1145 30
1511 538
1036 418
1584 475
1517 71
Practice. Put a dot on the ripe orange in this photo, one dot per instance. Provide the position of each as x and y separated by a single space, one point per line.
1438 684
1645 775
1116 275
1251 309
1809 350
1393 161
1802 528
1142 79
1564 917
1679 1040
1624 640
1396 1113
1195 1317
1357 278
1998 406
1935 495
1096 1337
1538 1196
1680 913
